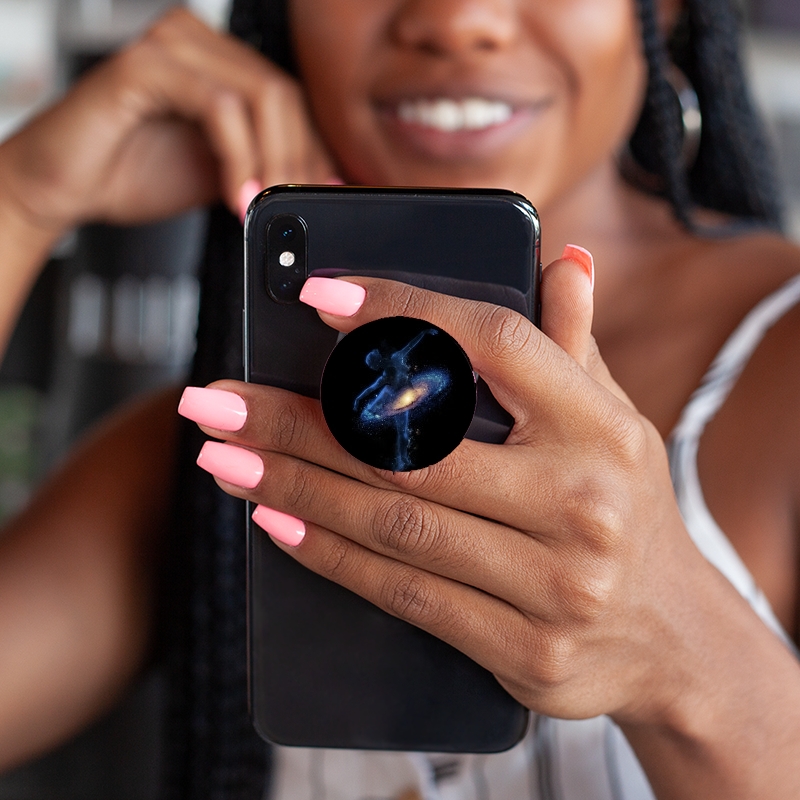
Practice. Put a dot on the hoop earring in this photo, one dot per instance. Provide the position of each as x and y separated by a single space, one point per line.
691 120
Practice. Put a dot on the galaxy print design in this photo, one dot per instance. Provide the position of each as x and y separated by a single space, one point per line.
396 393
415 410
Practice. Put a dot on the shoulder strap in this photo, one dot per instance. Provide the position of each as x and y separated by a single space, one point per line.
683 443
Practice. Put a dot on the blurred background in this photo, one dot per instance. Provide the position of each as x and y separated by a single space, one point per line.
114 314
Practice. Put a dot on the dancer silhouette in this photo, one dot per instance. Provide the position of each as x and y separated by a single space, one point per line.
396 391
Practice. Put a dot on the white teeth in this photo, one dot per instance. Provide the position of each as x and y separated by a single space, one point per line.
444 114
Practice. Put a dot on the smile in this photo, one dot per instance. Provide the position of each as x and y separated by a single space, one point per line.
449 116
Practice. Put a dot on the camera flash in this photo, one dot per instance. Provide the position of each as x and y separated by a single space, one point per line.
286 258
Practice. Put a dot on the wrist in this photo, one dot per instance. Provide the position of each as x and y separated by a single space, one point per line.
25 245
724 720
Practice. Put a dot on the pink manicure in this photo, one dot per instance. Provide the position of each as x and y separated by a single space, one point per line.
581 256
216 408
280 526
334 296
232 464
250 188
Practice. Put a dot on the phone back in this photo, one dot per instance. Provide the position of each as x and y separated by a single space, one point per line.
327 668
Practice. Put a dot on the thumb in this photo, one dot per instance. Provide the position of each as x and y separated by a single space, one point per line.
568 304
567 310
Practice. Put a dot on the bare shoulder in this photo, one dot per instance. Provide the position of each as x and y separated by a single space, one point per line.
755 263
760 267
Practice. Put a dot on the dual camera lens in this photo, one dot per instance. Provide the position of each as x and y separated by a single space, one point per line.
287 241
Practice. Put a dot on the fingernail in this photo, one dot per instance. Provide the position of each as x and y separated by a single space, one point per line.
280 526
232 464
333 296
216 408
334 180
250 188
580 255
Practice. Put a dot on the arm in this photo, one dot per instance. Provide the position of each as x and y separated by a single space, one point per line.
77 572
180 118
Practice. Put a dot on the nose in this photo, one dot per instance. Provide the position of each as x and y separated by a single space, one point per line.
449 27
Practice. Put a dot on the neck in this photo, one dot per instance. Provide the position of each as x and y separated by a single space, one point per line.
607 216
633 237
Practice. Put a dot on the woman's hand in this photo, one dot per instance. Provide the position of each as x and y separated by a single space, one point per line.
542 558
180 117
558 560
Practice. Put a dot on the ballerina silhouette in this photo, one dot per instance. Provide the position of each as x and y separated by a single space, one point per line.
396 392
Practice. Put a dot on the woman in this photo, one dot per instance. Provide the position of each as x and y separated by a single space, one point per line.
581 583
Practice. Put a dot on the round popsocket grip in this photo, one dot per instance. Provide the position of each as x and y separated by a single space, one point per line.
398 393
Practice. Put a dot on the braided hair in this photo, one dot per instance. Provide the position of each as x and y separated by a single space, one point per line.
211 749
733 172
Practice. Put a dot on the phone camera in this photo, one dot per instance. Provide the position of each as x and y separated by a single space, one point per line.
286 262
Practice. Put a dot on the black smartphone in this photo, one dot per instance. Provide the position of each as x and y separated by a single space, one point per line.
327 668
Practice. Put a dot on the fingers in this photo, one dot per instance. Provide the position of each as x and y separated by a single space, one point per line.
165 86
417 532
179 118
286 147
514 485
450 610
531 377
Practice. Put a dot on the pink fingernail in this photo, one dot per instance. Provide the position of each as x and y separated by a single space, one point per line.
232 464
280 526
580 255
334 296
334 180
250 188
216 408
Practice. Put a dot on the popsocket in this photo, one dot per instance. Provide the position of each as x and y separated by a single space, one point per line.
398 393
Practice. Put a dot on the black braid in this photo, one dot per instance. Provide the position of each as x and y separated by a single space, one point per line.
656 143
212 751
265 25
733 172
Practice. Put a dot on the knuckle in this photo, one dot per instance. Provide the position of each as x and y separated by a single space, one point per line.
552 664
408 300
594 514
289 427
506 333
407 526
300 488
177 20
430 481
335 560
131 60
412 598
588 592
167 27
627 438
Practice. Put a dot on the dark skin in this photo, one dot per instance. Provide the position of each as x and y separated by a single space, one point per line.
597 606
